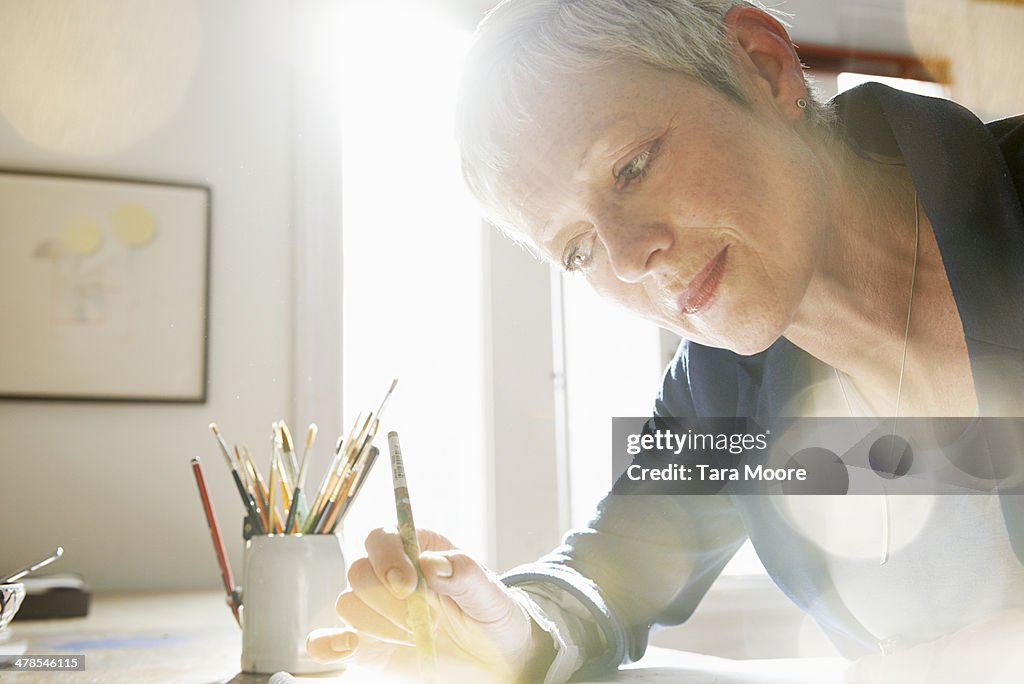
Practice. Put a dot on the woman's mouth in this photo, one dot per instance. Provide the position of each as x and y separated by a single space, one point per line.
702 288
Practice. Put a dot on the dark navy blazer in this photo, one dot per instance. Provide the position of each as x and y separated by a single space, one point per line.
648 560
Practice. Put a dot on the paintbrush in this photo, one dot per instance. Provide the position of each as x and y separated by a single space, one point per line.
18 574
346 493
218 540
340 488
261 485
360 481
355 464
285 475
247 499
289 461
299 507
338 465
255 487
272 489
416 603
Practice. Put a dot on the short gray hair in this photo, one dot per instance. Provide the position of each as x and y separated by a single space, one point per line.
521 44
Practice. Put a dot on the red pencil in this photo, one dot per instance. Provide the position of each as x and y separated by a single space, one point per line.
218 542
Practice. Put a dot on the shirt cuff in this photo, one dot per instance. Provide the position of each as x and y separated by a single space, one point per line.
568 655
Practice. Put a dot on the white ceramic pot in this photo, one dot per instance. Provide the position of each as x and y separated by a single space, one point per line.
290 584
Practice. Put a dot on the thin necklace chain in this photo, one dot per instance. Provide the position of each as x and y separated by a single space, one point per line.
910 308
906 330
886 522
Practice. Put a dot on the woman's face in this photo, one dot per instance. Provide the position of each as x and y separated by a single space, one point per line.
696 212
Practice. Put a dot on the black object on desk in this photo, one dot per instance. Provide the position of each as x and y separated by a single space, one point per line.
54 596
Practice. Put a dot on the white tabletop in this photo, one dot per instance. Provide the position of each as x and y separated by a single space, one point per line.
190 637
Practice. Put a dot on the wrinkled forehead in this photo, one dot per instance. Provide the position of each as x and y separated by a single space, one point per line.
572 106
541 163
568 122
541 180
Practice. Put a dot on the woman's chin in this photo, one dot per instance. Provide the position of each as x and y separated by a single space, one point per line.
746 327
745 341
753 346
751 330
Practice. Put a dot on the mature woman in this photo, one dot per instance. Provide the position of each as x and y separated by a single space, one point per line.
864 257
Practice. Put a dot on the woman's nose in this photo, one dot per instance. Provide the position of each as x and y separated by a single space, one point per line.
635 248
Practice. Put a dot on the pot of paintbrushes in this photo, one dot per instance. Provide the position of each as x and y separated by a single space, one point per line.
290 584
294 568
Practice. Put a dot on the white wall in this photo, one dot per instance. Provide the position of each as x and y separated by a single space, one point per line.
111 482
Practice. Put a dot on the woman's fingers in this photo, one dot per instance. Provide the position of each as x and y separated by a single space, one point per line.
359 651
369 620
367 659
331 645
433 541
373 596
391 578
393 568
390 562
480 595
475 613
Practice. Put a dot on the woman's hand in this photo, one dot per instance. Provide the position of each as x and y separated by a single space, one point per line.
478 626
987 652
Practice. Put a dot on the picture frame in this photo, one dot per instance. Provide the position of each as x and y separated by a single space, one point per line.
104 288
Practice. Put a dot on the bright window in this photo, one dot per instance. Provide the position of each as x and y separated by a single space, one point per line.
413 279
613 367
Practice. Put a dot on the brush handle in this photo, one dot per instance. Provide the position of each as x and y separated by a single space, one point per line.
292 510
14 577
363 474
291 462
416 603
314 523
249 503
218 540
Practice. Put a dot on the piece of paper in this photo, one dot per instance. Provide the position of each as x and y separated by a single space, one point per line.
662 666
665 666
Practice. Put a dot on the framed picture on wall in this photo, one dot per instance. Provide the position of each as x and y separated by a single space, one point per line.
103 288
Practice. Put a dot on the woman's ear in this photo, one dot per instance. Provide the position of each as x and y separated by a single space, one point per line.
766 59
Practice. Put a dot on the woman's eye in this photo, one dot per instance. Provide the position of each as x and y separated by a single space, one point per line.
635 168
578 256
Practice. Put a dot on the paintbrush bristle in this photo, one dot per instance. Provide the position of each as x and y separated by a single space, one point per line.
311 435
286 436
225 451
387 396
